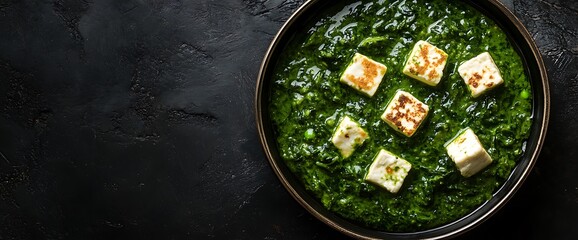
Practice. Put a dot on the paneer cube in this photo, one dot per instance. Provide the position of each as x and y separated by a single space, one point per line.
388 171
405 113
348 136
480 74
426 63
467 152
364 74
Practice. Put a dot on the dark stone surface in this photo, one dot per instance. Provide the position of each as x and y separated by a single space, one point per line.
134 120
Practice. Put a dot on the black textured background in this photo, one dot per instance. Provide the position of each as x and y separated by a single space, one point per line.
134 119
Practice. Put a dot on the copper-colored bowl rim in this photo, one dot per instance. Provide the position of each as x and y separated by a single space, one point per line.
541 118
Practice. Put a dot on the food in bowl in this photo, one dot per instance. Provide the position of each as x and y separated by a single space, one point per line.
310 101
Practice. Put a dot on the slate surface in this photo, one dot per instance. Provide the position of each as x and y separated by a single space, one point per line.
134 120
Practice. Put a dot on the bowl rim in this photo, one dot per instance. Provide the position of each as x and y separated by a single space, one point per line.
541 130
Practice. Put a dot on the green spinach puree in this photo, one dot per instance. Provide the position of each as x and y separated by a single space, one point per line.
307 102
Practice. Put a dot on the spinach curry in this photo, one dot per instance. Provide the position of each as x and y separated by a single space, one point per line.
308 100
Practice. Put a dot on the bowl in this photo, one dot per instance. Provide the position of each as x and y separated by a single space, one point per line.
535 70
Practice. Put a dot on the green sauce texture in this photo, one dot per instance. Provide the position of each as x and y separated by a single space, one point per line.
307 102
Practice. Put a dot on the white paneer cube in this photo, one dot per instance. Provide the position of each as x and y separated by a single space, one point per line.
426 63
364 74
467 152
480 74
388 171
405 113
348 136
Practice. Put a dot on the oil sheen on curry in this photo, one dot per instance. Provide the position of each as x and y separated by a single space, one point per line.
401 116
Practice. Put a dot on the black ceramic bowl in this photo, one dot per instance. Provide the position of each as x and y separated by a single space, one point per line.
534 67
